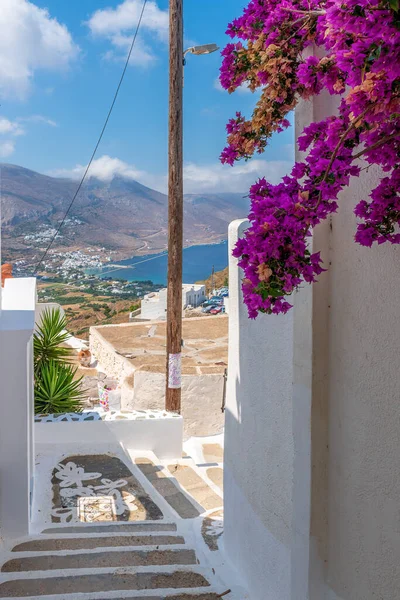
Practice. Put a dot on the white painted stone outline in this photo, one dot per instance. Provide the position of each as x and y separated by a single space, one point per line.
71 475
101 415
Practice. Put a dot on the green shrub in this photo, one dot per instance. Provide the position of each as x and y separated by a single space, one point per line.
48 340
56 389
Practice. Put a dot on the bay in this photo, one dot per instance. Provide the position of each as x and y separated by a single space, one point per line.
198 262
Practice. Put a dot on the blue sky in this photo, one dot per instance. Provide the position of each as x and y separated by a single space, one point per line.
58 71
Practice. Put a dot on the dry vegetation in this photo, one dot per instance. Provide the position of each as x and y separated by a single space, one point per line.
100 311
85 310
220 280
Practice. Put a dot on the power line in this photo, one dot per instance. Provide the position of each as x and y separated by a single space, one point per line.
98 141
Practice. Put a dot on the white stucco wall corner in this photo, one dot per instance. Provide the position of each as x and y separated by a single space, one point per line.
258 442
236 229
17 321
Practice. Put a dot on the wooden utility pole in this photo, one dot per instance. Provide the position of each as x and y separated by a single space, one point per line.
175 208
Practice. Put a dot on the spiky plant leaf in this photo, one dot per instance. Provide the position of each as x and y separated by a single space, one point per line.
48 340
56 389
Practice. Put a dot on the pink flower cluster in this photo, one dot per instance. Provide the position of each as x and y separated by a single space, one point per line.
360 49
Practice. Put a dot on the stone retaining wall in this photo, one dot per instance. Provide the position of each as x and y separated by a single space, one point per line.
116 366
202 394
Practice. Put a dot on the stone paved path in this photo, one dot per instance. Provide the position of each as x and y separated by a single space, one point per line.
118 527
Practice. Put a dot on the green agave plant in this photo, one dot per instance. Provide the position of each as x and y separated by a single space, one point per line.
57 390
48 340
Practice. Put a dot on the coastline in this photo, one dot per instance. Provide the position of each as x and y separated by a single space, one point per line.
154 273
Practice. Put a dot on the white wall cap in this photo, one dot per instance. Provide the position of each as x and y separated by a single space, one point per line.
19 294
18 304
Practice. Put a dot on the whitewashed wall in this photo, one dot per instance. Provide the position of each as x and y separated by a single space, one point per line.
312 477
159 434
154 307
258 443
17 321
347 387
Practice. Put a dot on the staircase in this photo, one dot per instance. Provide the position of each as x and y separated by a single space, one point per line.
130 560
154 560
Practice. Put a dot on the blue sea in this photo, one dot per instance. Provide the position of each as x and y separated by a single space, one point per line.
198 262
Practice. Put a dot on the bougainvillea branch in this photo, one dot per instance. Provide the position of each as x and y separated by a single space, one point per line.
293 50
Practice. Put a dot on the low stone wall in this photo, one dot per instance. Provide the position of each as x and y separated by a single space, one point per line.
202 394
201 400
156 431
115 365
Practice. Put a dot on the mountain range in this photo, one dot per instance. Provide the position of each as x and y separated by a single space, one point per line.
121 215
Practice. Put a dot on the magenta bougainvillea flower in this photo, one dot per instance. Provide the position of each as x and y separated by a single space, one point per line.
357 59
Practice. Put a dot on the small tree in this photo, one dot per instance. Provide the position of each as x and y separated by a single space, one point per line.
56 388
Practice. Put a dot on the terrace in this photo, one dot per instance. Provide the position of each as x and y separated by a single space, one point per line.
134 355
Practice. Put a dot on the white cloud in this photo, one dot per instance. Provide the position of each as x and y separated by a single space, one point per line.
104 168
218 178
213 178
126 16
142 54
10 127
38 119
14 128
117 25
30 40
6 148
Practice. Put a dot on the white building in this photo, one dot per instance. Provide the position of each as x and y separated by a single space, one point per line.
312 454
154 305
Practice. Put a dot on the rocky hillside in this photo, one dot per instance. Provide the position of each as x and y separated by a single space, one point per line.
120 215
221 279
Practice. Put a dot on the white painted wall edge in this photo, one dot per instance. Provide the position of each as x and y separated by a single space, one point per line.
164 436
18 304
17 321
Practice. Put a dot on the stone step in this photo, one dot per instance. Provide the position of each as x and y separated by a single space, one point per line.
164 596
216 475
126 558
88 543
101 582
213 453
210 596
165 486
195 486
87 528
